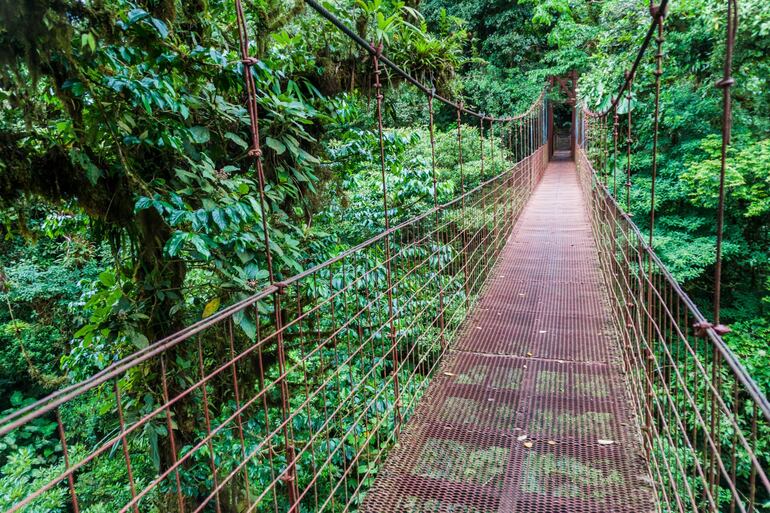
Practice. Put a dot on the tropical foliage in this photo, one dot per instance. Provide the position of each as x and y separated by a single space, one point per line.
129 207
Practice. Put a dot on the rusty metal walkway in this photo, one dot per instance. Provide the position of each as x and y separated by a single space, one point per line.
530 411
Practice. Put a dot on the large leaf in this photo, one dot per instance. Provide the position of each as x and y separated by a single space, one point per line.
211 307
200 134
276 145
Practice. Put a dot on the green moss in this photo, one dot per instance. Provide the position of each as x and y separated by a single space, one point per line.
461 463
461 410
509 379
413 504
473 376
566 423
567 477
585 385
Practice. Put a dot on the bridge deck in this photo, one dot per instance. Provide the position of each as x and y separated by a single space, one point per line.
530 411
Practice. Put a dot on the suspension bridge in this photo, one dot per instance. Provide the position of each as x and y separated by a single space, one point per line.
519 348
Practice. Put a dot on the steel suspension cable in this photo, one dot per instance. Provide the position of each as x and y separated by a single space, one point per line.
615 133
656 126
466 282
251 102
640 54
481 149
630 81
725 84
656 123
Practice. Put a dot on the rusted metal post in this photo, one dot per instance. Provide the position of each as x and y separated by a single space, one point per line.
464 237
289 476
725 84
391 320
437 223
65 452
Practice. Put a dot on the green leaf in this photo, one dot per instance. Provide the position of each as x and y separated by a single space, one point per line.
211 307
135 15
143 203
17 398
200 245
139 340
276 145
174 243
236 139
200 134
160 27
243 320
107 278
219 218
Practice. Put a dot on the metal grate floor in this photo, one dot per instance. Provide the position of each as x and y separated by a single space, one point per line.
530 411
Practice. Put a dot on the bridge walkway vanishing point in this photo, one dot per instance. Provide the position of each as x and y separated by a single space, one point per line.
530 411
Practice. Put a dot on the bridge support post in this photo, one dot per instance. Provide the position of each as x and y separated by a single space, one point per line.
289 475
463 231
377 53
437 227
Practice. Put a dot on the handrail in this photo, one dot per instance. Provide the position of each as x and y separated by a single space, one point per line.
740 371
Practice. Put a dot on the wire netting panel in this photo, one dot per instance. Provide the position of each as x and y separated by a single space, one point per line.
291 399
706 422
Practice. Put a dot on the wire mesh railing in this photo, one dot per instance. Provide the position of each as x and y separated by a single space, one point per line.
289 400
706 423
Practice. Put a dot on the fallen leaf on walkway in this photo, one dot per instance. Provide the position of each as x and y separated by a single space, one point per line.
528 445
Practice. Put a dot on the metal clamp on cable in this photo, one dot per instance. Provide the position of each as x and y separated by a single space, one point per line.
701 329
725 82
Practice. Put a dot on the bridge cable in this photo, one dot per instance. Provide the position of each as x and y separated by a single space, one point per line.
388 264
459 110
437 211
251 103
725 84
256 153
658 17
662 7
629 96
